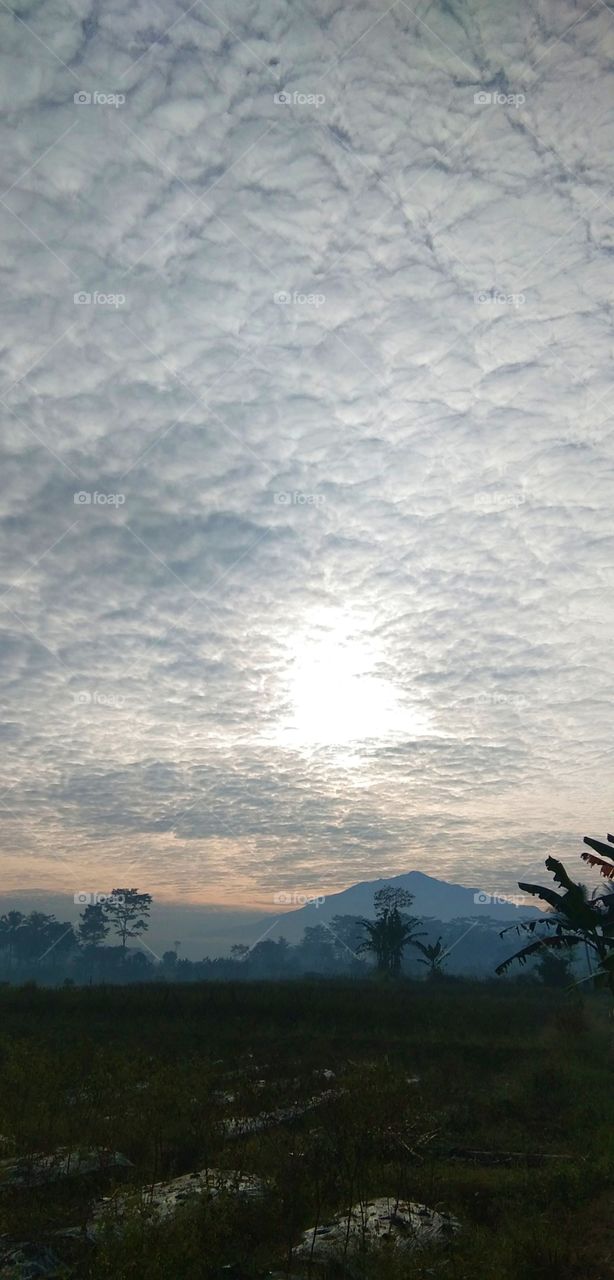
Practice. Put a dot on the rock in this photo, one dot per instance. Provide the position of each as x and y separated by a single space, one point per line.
159 1200
29 1171
399 1223
237 1126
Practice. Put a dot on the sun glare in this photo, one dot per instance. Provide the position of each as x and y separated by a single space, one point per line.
336 696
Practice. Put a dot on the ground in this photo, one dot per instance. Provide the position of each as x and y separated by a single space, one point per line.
491 1102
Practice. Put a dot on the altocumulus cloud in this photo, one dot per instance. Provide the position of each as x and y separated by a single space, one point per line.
308 350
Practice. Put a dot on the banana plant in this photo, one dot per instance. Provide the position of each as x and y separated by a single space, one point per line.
574 918
605 856
434 954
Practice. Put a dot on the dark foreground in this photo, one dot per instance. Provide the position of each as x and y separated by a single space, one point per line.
509 1127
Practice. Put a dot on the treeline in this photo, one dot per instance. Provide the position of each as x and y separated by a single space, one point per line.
575 923
97 949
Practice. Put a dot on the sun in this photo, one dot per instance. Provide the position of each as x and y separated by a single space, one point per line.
336 694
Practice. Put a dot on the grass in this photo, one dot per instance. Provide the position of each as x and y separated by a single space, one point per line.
503 1067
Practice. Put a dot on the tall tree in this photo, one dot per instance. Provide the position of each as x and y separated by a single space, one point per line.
93 928
391 898
127 911
391 931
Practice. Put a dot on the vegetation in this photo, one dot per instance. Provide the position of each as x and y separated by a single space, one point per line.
322 1094
576 919
39 947
489 1100
128 911
433 956
391 931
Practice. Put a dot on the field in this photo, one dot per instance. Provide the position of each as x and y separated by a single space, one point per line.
491 1102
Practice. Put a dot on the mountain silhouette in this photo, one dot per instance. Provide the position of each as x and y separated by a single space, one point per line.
435 898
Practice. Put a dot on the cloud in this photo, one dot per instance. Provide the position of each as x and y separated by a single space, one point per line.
338 372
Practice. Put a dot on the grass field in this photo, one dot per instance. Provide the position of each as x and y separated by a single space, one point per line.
169 1076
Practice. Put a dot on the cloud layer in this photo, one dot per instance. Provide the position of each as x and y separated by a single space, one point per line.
308 352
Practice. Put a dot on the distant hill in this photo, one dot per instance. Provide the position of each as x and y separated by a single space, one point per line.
432 897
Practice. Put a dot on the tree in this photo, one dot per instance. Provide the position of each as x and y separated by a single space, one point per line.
316 951
239 951
347 934
575 919
92 929
391 898
391 931
434 954
29 939
49 939
127 911
554 971
10 924
268 958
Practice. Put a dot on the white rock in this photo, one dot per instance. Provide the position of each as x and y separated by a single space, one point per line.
237 1126
400 1223
159 1200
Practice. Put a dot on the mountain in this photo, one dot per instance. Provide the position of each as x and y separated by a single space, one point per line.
432 897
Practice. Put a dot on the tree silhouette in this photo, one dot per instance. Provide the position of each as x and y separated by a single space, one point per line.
605 856
434 954
92 929
391 931
127 911
574 918
10 924
239 951
553 970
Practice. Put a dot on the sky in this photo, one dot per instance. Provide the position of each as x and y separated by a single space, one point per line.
307 451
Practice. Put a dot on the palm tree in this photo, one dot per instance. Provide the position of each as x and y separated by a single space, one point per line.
575 917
